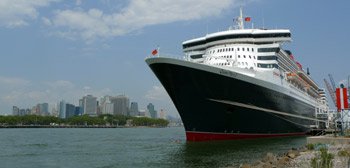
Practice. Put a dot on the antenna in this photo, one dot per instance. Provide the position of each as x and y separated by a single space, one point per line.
240 19
239 24
263 20
207 28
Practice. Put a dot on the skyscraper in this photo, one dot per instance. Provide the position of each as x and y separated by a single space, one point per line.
78 111
134 109
62 109
15 111
42 109
89 105
70 110
150 108
162 114
121 105
106 106
45 108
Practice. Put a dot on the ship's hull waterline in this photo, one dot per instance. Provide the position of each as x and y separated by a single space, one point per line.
213 106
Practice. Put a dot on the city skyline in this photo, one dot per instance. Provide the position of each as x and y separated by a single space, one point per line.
92 106
53 50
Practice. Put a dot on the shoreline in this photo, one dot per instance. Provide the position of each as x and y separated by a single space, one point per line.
339 155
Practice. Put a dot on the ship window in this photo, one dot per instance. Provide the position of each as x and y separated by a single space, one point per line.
269 49
250 57
230 56
247 49
243 56
239 56
232 49
237 49
243 49
270 57
252 49
268 65
246 63
196 56
254 57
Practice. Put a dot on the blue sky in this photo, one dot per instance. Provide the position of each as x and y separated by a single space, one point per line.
54 49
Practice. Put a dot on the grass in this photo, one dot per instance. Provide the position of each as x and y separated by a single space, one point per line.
310 146
344 153
323 159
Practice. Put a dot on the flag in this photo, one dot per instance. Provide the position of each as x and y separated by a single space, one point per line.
155 52
247 19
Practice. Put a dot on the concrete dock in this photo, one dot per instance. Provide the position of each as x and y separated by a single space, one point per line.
328 139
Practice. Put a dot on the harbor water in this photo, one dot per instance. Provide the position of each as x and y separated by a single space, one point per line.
128 147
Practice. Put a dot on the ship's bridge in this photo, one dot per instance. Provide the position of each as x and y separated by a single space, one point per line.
250 36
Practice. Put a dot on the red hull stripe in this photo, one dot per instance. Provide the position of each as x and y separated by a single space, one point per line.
208 136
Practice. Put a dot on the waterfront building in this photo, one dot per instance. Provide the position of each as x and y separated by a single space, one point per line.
106 106
89 105
142 113
22 112
45 108
54 111
78 111
27 112
62 109
34 110
134 109
162 114
15 111
151 110
42 109
70 110
121 105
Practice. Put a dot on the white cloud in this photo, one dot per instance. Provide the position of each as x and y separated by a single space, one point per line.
157 93
61 84
10 81
78 2
94 23
16 13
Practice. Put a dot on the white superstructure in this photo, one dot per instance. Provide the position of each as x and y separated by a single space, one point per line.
257 53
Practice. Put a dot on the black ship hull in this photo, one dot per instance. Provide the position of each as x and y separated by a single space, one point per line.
216 106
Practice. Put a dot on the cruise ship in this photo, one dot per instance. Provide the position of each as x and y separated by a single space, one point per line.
240 84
